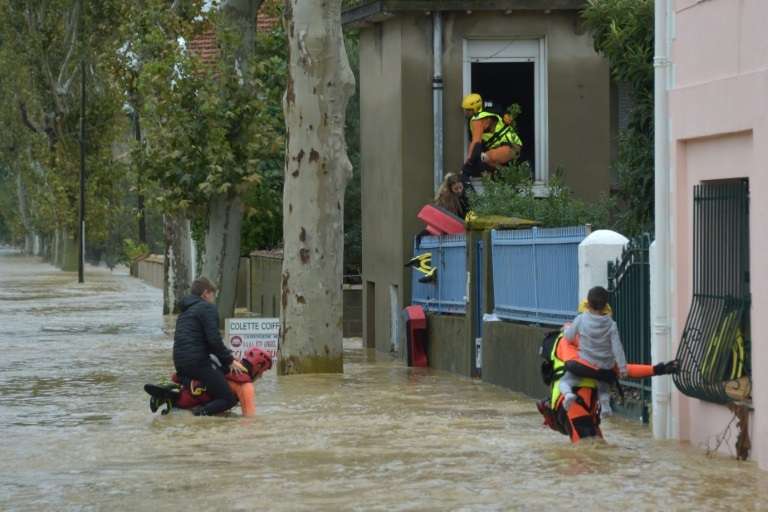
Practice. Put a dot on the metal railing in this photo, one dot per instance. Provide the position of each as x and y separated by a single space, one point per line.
715 345
536 274
629 283
447 292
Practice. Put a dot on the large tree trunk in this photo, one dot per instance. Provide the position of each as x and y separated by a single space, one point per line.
56 252
177 264
65 251
317 170
222 249
70 250
29 235
140 185
29 244
48 255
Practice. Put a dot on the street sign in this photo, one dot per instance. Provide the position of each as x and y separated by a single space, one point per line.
244 333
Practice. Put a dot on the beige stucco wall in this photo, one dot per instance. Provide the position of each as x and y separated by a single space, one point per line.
382 168
579 92
719 129
396 127
151 270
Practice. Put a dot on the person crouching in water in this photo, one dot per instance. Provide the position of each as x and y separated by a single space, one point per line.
197 337
599 346
451 196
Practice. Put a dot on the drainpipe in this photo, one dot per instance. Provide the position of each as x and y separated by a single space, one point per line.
660 303
437 97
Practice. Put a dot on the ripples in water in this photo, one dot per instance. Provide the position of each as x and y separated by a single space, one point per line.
78 435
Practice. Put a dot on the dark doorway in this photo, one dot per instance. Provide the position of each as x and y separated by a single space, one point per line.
505 83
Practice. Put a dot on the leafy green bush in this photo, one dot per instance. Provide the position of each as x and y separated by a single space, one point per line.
353 237
263 220
513 194
623 32
134 251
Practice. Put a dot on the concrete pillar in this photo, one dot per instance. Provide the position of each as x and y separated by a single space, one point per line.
595 251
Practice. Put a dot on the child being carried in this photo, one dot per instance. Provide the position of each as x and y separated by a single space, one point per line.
599 346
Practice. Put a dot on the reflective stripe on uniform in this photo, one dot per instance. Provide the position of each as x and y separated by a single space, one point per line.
501 134
559 368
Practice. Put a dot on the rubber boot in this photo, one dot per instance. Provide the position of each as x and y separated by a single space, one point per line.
199 411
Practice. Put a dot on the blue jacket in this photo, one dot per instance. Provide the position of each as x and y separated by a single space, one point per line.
197 335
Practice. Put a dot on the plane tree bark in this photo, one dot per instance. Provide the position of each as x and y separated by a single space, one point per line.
317 170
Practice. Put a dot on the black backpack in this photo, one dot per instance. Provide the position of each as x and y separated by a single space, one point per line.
548 372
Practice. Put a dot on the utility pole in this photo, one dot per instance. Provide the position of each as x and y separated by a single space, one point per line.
81 258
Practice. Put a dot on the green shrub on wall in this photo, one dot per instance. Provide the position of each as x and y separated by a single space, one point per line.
513 194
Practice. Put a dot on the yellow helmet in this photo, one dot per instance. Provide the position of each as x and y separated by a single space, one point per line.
473 102
584 306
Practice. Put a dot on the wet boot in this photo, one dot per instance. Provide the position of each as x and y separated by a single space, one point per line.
606 411
199 411
164 392
160 395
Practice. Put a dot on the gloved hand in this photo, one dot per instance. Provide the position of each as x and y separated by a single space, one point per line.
237 367
666 368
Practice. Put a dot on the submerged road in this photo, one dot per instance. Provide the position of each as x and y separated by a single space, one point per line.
77 433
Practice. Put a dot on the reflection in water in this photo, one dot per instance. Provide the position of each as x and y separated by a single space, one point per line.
78 435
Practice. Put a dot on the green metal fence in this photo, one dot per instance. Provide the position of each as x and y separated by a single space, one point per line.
629 283
715 345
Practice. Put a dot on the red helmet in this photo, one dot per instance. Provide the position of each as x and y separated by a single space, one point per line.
257 360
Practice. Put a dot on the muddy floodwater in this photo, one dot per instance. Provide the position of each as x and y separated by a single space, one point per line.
77 433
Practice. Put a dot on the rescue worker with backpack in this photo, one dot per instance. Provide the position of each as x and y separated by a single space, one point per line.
493 140
582 418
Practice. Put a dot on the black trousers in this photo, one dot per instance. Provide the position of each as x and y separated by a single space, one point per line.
475 167
215 384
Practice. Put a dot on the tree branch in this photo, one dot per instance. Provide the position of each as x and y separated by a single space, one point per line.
33 21
72 27
25 118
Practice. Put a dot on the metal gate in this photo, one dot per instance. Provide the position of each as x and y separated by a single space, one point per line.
629 282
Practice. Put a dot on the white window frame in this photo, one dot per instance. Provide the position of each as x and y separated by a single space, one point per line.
518 50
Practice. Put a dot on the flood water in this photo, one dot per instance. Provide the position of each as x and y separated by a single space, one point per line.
77 433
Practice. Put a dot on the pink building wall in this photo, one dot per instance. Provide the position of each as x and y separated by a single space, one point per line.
718 107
